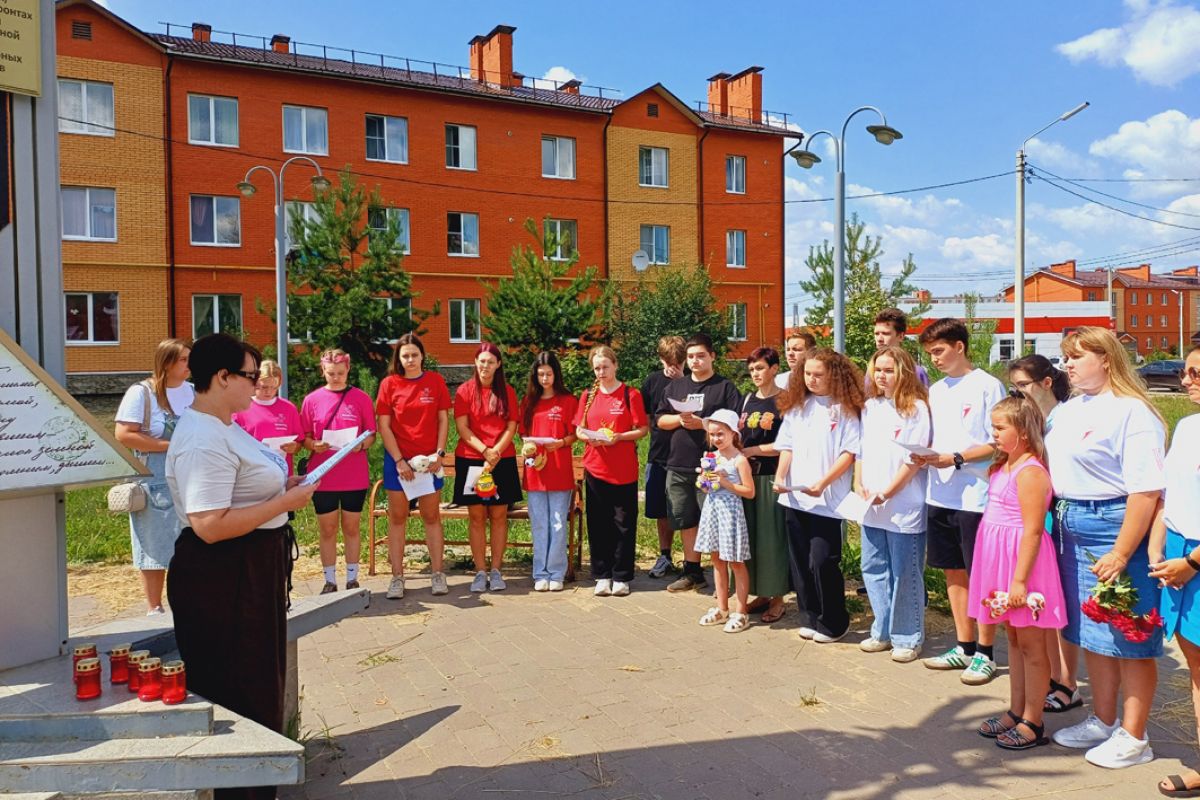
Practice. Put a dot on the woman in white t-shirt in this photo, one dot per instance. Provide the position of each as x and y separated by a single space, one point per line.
230 574
821 426
1106 463
893 529
159 399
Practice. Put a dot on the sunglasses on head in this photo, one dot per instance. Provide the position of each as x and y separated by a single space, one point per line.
1191 373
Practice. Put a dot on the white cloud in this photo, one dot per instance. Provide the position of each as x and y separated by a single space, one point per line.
561 75
905 239
978 251
1164 145
1058 157
926 209
1160 43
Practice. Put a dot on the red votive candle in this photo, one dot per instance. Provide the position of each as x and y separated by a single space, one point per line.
87 678
80 652
150 675
118 664
174 683
135 661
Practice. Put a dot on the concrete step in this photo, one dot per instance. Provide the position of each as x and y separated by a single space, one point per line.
239 752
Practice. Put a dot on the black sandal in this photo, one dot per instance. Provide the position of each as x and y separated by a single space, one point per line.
993 727
1054 705
1179 787
1013 739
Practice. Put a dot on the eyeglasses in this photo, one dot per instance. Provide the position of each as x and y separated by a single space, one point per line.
250 376
1191 373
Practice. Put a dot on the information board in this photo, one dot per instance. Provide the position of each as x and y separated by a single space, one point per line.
20 47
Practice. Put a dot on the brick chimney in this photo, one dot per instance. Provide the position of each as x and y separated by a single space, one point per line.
570 87
1066 269
201 32
1140 271
281 43
745 94
718 94
491 57
1191 272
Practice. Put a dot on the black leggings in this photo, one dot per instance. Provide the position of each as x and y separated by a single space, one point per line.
815 556
612 528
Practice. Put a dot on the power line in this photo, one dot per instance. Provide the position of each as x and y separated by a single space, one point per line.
1062 188
1115 197
1133 180
1143 252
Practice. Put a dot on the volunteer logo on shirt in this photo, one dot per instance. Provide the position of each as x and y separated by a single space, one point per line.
1086 434
616 407
966 410
834 418
426 396
555 414
896 432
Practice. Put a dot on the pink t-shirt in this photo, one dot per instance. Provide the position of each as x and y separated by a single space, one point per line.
356 411
271 420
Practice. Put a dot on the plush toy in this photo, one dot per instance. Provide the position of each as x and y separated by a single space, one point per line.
1036 603
535 457
996 603
485 487
707 482
432 464
607 432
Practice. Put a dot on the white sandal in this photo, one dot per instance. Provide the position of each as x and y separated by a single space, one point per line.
714 616
737 622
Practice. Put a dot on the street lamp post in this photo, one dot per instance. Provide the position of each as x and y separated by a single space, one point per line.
1179 299
1019 284
806 158
319 183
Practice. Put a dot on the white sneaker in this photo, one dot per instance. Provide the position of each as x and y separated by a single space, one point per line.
157 611
905 654
496 583
438 583
873 645
806 632
541 585
555 586
620 589
1086 734
480 583
396 588
825 638
603 587
1121 750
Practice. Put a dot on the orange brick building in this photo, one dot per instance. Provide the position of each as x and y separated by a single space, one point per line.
463 156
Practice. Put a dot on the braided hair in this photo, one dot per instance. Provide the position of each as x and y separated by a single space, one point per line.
602 351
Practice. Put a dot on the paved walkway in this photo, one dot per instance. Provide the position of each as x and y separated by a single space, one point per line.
519 694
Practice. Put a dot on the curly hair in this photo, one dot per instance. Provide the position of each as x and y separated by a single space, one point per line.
845 382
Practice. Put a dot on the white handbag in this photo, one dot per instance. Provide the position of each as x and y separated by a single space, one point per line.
130 496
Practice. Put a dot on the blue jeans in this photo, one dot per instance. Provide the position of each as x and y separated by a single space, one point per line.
893 568
548 519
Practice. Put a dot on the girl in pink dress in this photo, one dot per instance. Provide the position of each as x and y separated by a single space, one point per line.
1015 580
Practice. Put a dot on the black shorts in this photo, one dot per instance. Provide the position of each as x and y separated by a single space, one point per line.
508 482
684 500
951 537
656 491
328 502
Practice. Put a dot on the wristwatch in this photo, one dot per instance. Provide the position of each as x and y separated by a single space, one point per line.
959 460
1191 562
441 453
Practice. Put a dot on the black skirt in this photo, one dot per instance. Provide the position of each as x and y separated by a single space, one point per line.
508 482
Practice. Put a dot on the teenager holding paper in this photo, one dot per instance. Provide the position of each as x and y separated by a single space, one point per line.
332 415
414 420
271 419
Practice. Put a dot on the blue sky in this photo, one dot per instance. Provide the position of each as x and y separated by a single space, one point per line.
964 82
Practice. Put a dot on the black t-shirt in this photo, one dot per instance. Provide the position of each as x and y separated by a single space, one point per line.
652 394
687 446
759 423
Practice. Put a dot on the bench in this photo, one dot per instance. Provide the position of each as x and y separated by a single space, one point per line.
519 511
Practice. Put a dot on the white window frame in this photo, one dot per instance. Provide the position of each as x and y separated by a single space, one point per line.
1162 320
212 121
652 252
734 161
464 318
1133 320
558 143
462 215
405 240
557 226
1163 345
388 122
1149 298
216 311
1133 298
460 148
91 319
1149 320
214 199
390 302
86 126
87 199
647 151
732 254
1164 299
734 310
307 210
304 146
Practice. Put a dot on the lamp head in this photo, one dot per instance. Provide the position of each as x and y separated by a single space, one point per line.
884 134
1074 111
246 188
320 183
806 158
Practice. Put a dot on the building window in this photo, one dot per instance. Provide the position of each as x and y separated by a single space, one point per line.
735 248
652 166
737 322
561 241
1162 321
460 147
651 109
212 120
85 107
1133 298
298 213
402 304
1149 321
1164 298
462 234
306 130
216 313
1091 296
735 174
1133 318
92 317
558 157
216 221
656 242
387 139
1149 298
1006 349
378 219
464 320
1163 343
1149 344
89 213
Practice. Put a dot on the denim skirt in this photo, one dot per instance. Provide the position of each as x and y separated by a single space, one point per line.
1181 616
1090 528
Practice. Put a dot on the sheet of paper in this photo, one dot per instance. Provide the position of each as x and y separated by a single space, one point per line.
334 459
916 449
419 486
794 488
595 436
542 440
339 438
473 474
692 404
276 443
853 507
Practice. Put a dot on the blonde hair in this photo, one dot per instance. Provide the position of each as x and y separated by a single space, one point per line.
269 369
1024 415
168 352
1121 376
604 351
737 435
909 388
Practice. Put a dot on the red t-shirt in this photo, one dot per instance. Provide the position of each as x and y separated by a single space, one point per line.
616 464
413 405
553 419
488 425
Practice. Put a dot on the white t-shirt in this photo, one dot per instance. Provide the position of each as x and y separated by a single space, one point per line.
961 410
1103 446
882 425
781 378
1181 508
133 406
211 465
818 432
